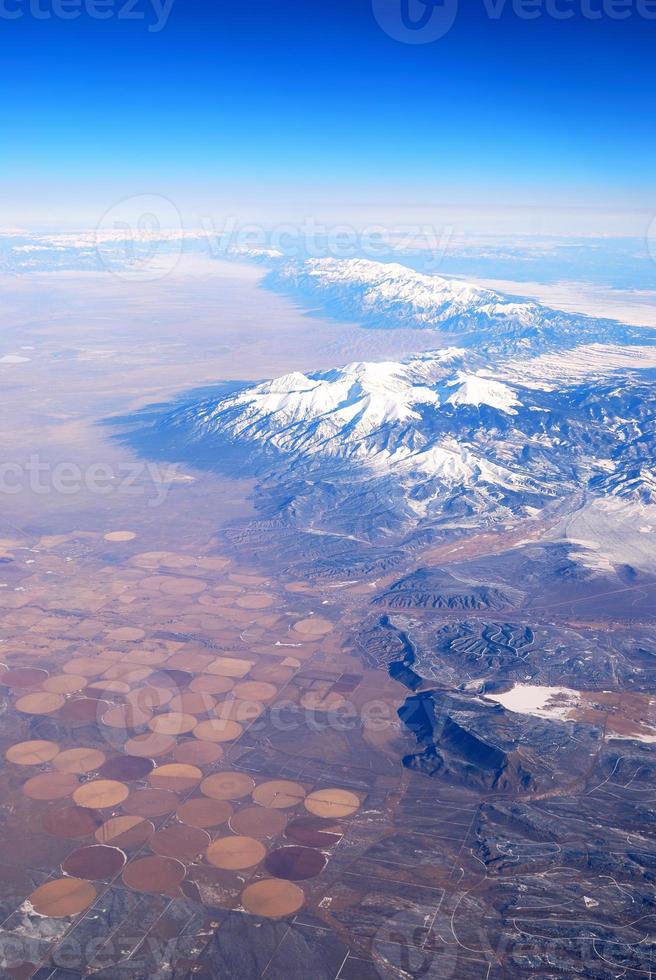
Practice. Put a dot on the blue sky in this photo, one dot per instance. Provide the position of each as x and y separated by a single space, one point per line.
273 105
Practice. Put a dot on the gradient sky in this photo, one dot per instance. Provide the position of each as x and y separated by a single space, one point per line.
269 106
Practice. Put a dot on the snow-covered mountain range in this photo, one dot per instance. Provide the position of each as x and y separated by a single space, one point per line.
390 295
475 434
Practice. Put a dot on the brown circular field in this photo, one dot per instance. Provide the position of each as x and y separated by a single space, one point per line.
180 841
126 768
193 703
332 803
320 701
172 723
281 794
211 684
158 875
63 897
203 812
258 821
116 536
218 730
295 863
79 760
125 832
150 696
182 586
243 579
195 753
86 666
126 634
255 600
194 662
129 673
127 716
64 683
235 853
314 832
50 786
149 744
227 785
32 753
272 673
272 898
40 703
150 802
98 794
255 691
103 687
242 711
230 667
176 776
71 822
19 677
84 711
94 862
313 626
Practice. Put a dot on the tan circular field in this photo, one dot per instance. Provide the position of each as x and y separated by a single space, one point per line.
227 785
64 683
86 666
63 897
79 760
182 586
173 723
40 703
126 716
280 794
230 666
150 696
98 794
193 703
175 776
157 875
126 634
102 687
118 536
273 898
255 691
258 821
125 832
332 803
50 786
313 626
149 745
211 684
203 812
318 701
235 853
32 753
254 600
218 730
